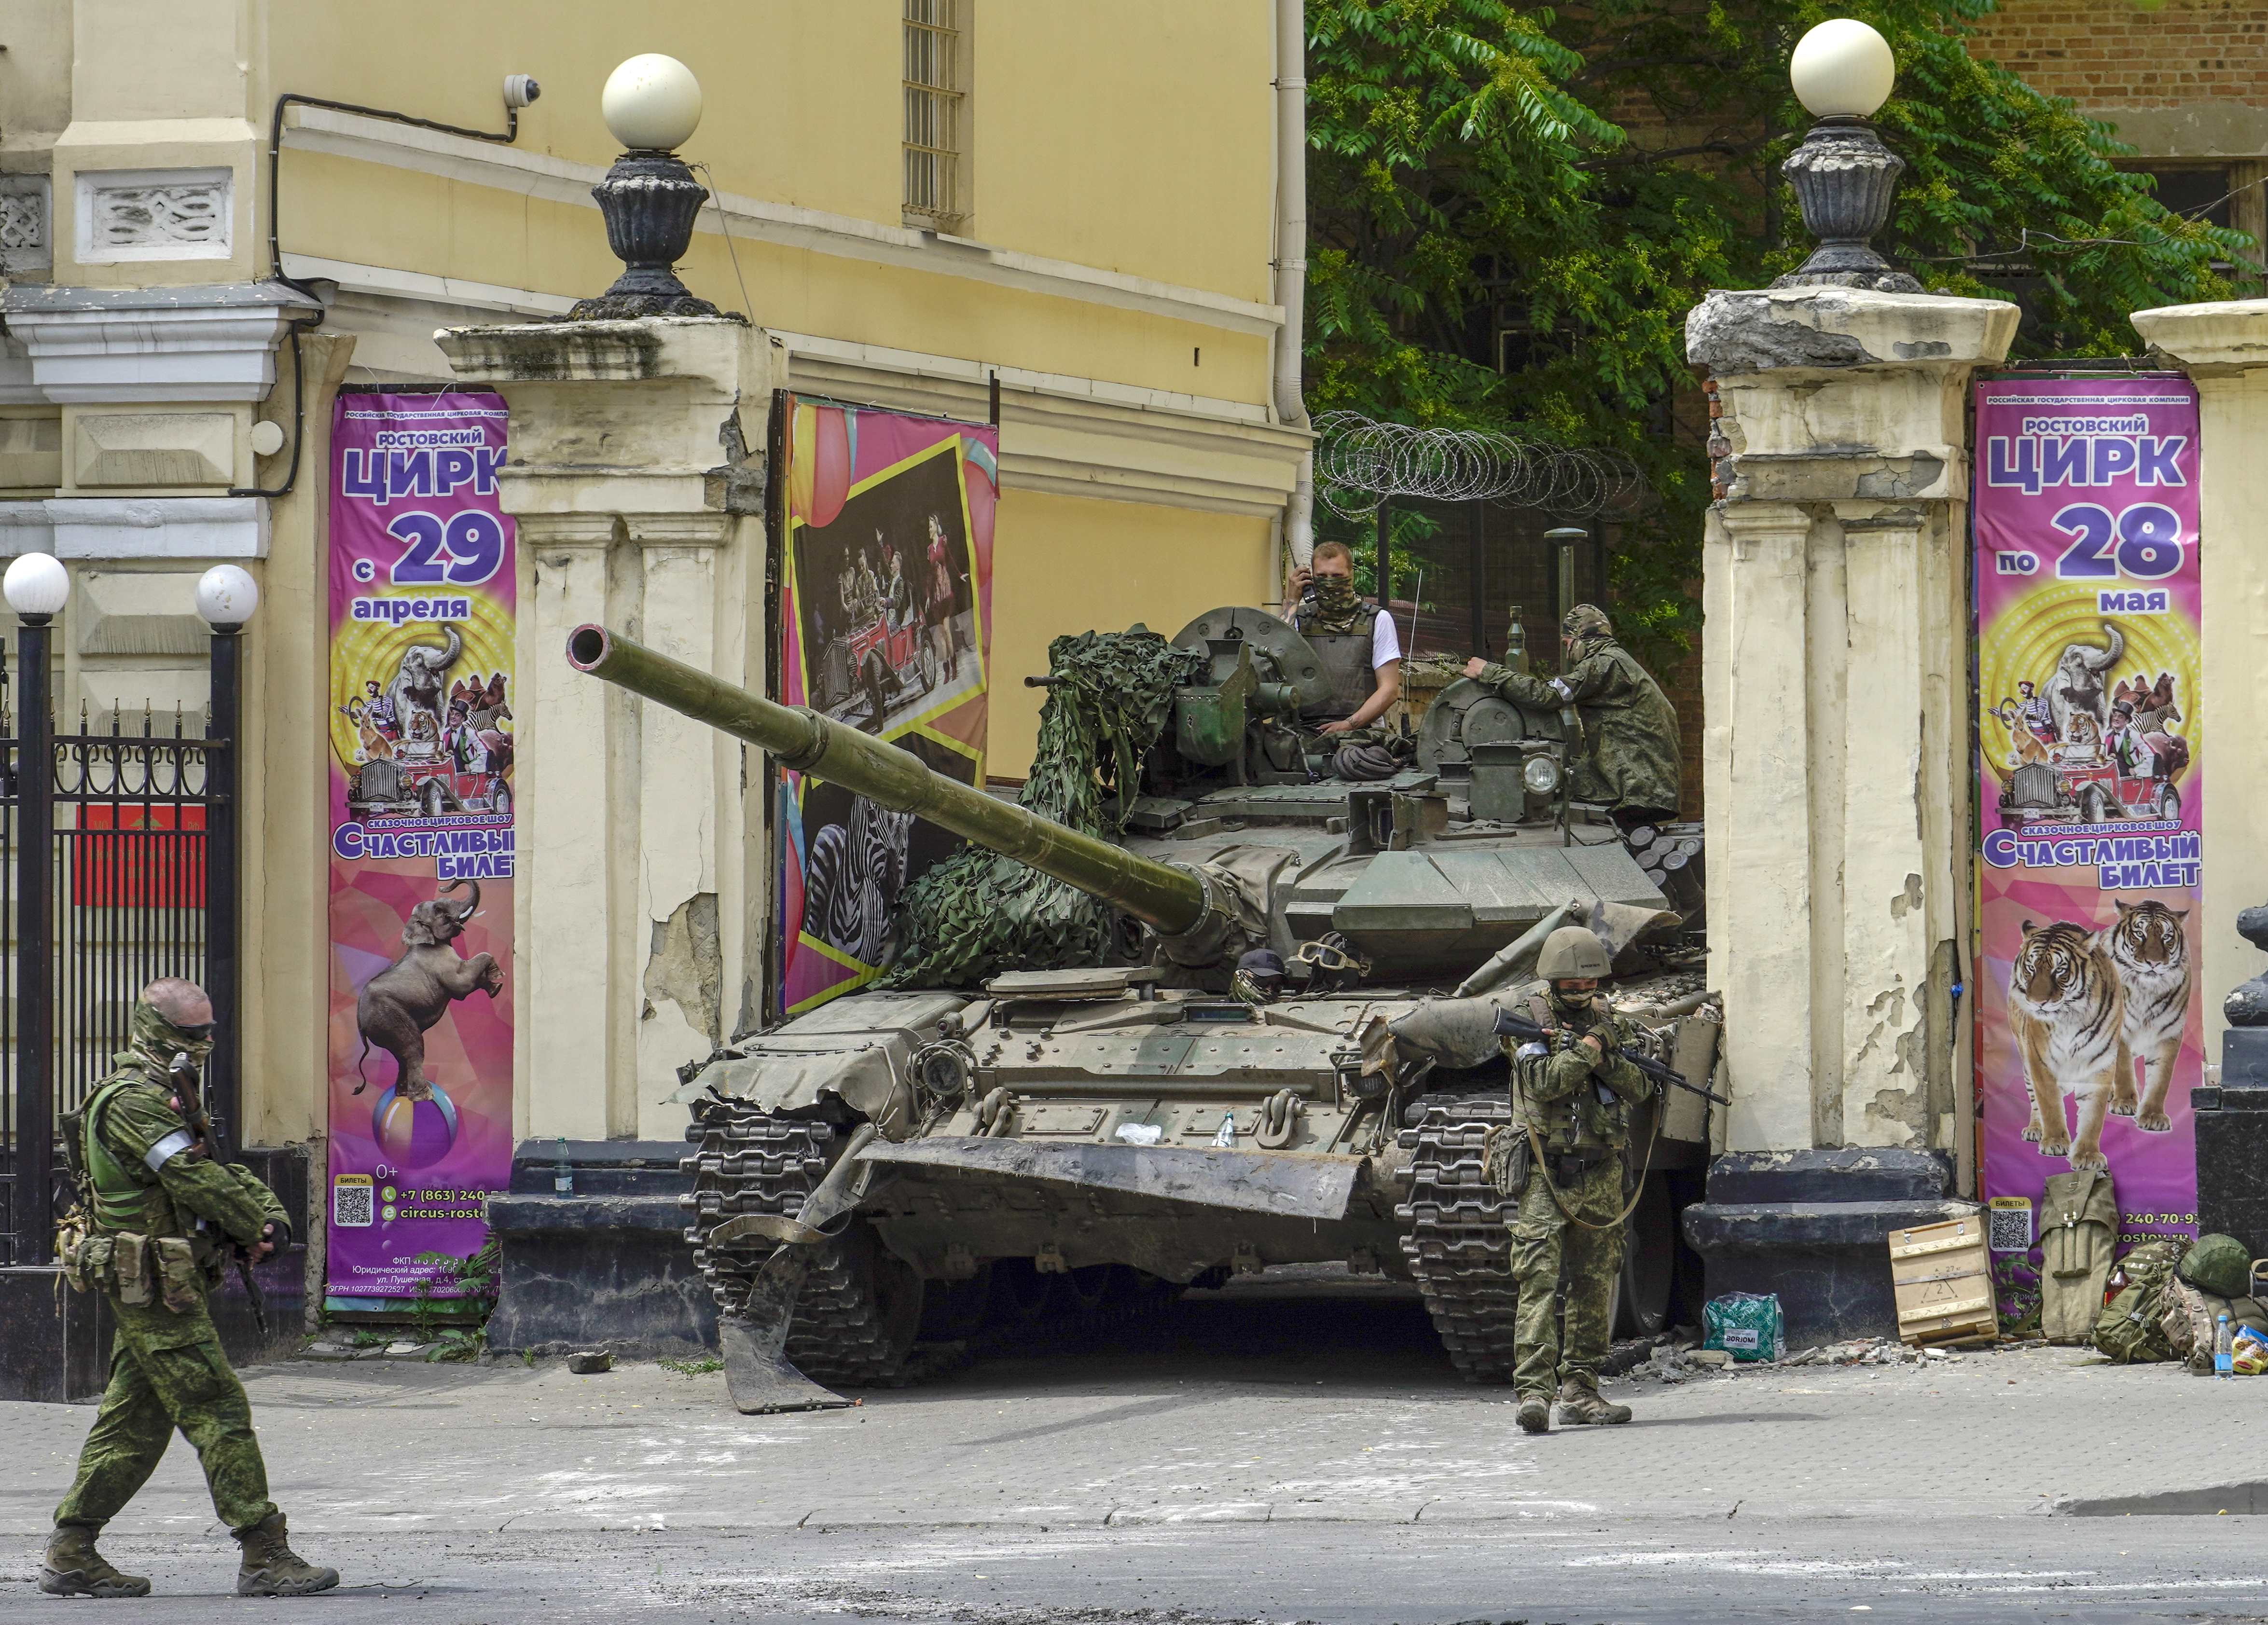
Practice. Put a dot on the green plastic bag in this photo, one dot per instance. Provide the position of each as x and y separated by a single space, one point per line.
1746 1326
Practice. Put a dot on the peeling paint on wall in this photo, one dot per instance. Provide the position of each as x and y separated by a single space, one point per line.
686 966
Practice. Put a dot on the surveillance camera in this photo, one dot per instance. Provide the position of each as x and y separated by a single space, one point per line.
520 90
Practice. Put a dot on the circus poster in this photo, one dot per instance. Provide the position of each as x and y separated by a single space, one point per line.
2090 1019
885 625
423 603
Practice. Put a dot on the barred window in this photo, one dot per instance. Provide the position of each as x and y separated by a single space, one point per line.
933 112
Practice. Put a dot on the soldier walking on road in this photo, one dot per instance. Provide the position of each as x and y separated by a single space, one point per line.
1570 1098
1631 755
156 1214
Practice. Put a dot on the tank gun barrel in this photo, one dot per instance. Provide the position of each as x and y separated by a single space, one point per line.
1169 899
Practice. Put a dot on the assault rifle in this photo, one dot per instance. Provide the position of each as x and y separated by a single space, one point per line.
189 1085
1509 1025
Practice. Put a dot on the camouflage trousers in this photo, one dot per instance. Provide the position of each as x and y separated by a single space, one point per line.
1543 1241
167 1372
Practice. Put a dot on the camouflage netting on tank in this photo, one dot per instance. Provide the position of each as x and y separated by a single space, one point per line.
978 913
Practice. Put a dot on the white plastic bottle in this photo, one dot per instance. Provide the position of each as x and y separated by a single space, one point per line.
2224 1348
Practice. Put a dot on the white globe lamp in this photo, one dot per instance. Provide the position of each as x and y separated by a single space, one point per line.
37 586
651 103
1843 69
226 597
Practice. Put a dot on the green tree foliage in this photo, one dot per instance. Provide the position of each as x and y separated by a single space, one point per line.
1590 172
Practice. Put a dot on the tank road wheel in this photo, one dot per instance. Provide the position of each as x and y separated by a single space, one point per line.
1093 1288
1649 1262
1020 1293
1454 1237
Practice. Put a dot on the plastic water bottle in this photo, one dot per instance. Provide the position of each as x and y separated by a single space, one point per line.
562 1184
2224 1348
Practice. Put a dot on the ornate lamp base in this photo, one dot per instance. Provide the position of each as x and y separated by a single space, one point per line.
649 201
1844 181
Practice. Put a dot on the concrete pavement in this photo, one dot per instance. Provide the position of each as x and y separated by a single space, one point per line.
1325 1424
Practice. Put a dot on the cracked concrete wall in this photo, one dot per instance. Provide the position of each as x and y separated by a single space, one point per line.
1837 746
640 506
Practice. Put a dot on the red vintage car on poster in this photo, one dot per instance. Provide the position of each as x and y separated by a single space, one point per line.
2085 793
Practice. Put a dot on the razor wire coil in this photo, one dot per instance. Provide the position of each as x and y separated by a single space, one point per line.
1362 461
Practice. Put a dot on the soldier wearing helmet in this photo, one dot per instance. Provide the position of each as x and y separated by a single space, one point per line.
1571 1097
1630 756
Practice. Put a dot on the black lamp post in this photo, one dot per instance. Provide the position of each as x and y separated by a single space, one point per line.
226 597
37 587
649 199
1844 178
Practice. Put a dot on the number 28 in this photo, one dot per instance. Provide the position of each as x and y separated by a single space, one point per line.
2144 542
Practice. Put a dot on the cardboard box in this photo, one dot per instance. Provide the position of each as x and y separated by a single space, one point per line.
1942 1277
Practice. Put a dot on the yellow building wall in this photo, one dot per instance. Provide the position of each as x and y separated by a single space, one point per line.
368 214
1066 564
1099 134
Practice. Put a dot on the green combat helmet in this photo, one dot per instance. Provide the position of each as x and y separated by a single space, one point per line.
1572 954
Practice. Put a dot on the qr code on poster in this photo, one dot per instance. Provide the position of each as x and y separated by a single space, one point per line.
353 1202
2011 1225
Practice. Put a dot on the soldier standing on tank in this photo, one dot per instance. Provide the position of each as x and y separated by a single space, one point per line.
1571 1097
1630 758
159 1212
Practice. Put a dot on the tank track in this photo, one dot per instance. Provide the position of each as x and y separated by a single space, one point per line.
751 1161
1456 1240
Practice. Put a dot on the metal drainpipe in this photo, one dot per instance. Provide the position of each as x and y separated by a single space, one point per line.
1292 258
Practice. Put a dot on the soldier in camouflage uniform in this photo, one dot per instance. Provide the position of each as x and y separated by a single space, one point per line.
157 1215
1573 1096
1631 756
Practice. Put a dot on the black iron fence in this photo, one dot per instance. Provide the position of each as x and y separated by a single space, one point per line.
116 868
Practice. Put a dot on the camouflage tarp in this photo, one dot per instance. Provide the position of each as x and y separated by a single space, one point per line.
978 913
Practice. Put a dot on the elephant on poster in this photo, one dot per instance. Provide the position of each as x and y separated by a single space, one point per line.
402 1002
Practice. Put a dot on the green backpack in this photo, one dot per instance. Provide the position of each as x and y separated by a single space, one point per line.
2128 1330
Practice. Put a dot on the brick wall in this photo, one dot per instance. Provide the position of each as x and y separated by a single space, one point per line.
2113 54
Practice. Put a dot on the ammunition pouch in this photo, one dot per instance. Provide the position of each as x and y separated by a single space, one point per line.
106 1262
181 1276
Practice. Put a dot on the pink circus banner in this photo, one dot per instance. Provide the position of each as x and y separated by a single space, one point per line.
886 622
2090 779
422 605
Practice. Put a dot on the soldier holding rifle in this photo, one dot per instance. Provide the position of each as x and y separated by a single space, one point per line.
157 1217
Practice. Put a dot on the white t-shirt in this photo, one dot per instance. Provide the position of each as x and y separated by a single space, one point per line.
1384 643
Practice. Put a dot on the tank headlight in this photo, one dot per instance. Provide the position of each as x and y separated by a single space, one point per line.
1541 774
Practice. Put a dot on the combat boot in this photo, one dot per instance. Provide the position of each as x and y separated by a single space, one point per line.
1579 1402
272 1569
73 1568
1535 1413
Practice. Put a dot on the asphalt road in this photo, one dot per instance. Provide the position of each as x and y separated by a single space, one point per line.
1272 1453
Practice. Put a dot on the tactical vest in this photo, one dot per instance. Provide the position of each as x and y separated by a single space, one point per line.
118 1201
1584 1123
1346 658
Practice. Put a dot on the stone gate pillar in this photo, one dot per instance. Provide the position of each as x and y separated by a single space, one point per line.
2224 347
1838 777
641 906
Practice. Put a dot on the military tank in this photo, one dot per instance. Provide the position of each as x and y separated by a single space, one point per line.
881 1180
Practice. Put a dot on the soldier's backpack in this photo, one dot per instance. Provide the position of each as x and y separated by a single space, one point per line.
2078 1230
2130 1329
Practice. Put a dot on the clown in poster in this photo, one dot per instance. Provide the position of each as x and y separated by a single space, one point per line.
420 1039
2090 778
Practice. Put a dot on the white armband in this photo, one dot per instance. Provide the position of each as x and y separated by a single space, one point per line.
1566 695
165 1150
